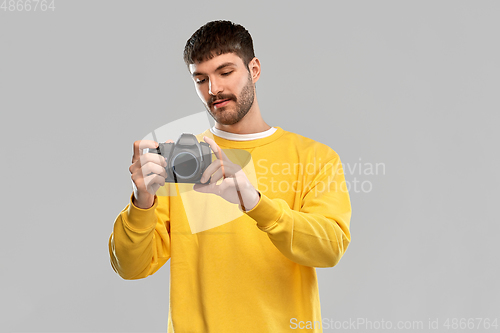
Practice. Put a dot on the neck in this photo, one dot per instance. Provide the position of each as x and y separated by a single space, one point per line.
252 122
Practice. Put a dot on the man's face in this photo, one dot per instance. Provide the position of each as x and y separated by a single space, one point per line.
225 87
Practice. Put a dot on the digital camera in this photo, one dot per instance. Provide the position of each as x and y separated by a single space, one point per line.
186 159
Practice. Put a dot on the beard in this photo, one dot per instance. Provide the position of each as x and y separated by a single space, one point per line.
243 104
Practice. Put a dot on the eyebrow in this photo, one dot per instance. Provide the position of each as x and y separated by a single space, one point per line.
226 64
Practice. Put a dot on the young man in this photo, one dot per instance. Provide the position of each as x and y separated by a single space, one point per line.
255 273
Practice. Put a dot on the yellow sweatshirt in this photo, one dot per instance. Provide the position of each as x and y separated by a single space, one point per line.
255 272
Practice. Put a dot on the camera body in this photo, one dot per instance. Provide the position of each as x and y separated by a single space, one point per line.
186 159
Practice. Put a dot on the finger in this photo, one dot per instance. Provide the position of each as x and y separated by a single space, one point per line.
140 145
153 158
147 158
215 148
152 168
212 188
210 170
218 175
141 175
140 178
152 180
154 189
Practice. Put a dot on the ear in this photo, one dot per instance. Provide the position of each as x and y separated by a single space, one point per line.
254 69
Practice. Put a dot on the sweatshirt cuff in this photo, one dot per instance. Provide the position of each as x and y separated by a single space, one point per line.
266 212
139 218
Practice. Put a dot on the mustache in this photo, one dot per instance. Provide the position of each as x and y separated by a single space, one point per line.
219 97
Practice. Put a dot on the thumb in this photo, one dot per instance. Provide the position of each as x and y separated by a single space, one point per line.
210 188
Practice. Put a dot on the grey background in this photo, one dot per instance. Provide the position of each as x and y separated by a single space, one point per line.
410 84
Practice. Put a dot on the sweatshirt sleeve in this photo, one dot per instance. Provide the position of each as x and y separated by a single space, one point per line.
318 234
140 242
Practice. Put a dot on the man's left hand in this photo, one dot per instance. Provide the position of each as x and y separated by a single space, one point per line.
235 186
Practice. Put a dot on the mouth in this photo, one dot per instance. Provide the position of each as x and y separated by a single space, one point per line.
220 103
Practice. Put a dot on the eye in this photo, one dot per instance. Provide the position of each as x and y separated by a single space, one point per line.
200 81
226 73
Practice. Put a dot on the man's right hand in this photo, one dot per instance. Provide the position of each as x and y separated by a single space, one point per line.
147 172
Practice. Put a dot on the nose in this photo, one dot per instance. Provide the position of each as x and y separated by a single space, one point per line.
214 87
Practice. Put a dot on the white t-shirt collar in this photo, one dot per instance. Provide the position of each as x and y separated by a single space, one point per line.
242 137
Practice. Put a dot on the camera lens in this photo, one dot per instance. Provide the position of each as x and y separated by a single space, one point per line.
185 165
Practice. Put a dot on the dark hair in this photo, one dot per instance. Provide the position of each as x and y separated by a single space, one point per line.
216 38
